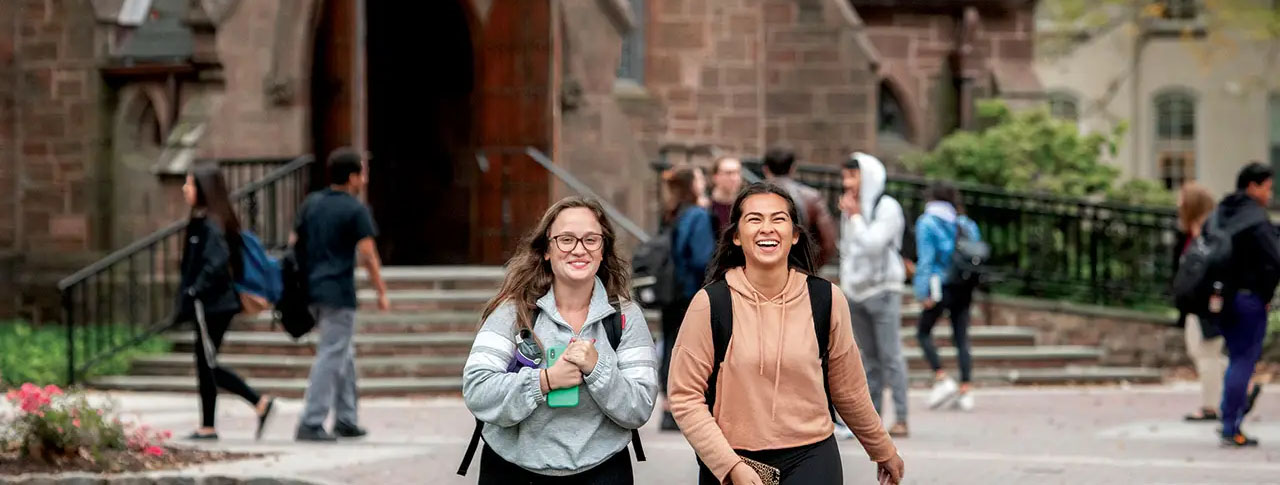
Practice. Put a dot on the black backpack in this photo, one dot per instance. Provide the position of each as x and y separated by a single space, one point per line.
653 270
1205 262
613 326
293 311
968 260
722 329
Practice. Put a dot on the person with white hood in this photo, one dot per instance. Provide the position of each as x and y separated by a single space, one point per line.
871 276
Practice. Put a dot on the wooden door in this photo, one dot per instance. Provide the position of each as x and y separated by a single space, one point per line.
334 83
515 111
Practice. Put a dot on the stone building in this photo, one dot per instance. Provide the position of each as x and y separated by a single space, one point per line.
1200 99
104 104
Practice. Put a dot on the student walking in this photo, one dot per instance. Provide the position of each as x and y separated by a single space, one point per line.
332 230
1246 290
211 262
558 397
937 231
764 351
1203 337
871 275
692 242
726 178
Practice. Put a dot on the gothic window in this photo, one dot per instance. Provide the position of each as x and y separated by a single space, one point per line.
1064 106
631 65
1175 138
890 117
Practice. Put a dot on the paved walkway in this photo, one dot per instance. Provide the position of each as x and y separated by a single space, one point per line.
1042 436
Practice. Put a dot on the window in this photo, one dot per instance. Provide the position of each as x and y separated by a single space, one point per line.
1175 138
890 118
1064 106
631 65
1274 113
1179 9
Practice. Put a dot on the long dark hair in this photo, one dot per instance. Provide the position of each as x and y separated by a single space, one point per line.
729 255
529 276
944 191
213 200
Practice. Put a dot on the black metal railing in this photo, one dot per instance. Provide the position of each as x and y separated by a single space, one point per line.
128 296
1044 245
240 172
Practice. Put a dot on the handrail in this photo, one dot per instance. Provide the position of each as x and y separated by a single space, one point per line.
573 182
120 254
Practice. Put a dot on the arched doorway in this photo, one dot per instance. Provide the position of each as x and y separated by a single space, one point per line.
420 86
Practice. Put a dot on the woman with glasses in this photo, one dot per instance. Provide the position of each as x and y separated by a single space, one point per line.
558 400
692 242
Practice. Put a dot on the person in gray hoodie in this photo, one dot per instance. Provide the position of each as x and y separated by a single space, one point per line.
562 286
871 275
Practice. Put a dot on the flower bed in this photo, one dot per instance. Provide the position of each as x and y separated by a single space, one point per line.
50 430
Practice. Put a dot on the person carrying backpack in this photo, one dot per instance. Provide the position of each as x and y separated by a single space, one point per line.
211 264
779 165
332 230
939 289
1203 337
1244 289
562 370
871 274
757 411
693 241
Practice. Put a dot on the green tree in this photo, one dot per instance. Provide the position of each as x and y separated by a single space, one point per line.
1024 150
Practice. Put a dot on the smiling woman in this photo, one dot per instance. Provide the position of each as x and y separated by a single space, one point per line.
772 420
562 370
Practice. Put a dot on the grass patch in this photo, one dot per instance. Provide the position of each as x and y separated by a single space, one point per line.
39 354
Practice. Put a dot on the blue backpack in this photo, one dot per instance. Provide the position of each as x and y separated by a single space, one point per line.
261 282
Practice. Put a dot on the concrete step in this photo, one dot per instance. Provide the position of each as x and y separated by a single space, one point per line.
292 388
407 321
273 343
437 277
1041 356
417 300
979 336
1067 375
298 366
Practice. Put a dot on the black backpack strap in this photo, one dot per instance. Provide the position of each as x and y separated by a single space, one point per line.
471 448
820 302
613 326
721 331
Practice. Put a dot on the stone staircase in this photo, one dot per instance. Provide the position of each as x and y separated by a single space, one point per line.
420 346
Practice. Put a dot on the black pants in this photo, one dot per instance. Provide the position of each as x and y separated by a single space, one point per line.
672 317
815 464
956 302
210 380
496 471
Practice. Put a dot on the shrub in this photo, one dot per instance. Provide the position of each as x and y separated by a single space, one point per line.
52 424
38 354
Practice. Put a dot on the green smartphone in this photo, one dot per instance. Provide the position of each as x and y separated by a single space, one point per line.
560 398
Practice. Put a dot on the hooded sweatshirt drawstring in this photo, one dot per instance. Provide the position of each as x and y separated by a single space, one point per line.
757 302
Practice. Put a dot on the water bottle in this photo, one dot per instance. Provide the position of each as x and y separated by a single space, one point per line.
528 353
1215 300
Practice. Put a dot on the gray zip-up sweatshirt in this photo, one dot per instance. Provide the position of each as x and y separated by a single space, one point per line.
617 397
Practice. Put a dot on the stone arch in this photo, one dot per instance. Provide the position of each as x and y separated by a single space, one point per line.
143 118
898 80
134 191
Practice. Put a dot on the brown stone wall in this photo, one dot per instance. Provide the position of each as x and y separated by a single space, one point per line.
1129 338
918 46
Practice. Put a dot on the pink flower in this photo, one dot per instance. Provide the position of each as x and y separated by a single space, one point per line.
76 422
29 388
59 429
154 451
12 395
99 412
167 434
52 390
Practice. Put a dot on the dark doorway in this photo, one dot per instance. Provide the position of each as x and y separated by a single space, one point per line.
333 87
420 66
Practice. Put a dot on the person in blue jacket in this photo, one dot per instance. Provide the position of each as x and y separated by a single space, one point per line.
693 241
937 229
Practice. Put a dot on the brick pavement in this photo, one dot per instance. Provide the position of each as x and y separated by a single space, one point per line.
1041 436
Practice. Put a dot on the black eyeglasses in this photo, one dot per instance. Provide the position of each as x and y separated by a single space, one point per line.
590 242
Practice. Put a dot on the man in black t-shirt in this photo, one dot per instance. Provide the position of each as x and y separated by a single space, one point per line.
333 228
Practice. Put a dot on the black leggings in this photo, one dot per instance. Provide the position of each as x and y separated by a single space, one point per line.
815 464
496 471
956 302
210 380
672 317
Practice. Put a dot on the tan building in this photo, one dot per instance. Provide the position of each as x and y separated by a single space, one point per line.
1199 103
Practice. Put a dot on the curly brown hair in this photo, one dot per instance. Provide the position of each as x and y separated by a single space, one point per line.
529 276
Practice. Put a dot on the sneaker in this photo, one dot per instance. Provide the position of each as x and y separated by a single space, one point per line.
843 432
943 391
317 434
898 430
1253 398
963 402
1238 441
343 430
